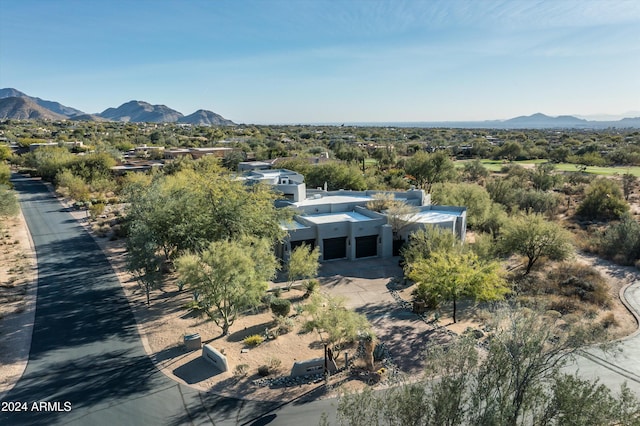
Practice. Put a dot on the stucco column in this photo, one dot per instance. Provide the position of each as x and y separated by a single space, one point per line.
386 244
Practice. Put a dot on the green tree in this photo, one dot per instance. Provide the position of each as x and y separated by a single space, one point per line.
336 176
474 171
628 181
5 173
449 276
8 202
303 263
481 213
228 277
543 177
426 241
621 241
534 237
428 169
333 320
72 186
603 200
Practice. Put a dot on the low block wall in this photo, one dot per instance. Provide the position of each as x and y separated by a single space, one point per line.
215 357
312 366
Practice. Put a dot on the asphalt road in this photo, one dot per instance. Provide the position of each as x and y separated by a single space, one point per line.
87 365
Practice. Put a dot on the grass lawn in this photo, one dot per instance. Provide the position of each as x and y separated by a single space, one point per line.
496 165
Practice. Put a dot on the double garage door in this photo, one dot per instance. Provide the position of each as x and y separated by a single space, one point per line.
336 248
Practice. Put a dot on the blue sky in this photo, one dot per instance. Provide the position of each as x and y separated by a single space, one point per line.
304 61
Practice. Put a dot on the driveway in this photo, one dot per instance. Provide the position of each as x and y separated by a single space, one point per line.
368 286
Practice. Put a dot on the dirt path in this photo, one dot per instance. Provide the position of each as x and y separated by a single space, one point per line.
18 290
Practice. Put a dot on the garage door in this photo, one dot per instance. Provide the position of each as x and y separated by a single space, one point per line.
310 244
334 248
367 246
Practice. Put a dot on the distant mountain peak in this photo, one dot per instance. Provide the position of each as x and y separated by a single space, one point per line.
141 112
25 108
206 118
55 107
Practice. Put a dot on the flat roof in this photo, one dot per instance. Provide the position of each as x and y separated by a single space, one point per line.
433 216
337 217
332 199
291 225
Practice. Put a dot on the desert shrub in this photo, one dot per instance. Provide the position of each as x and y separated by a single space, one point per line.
621 241
308 327
603 200
609 320
277 292
274 363
96 209
582 282
280 307
254 340
284 324
311 286
241 370
430 299
484 246
532 201
267 298
564 305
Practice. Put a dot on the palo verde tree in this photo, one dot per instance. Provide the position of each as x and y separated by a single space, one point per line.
228 277
535 237
336 323
451 275
426 241
428 169
303 263
516 378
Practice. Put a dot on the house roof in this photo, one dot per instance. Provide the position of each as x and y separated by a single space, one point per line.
337 217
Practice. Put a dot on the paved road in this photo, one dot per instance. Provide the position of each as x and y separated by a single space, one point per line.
620 363
86 351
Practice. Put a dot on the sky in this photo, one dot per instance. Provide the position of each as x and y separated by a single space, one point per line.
334 61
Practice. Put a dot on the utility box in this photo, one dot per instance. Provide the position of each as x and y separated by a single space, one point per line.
192 341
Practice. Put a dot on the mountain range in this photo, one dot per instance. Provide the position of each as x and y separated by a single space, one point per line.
17 105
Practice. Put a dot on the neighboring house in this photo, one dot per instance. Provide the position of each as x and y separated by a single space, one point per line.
288 183
196 153
73 144
339 223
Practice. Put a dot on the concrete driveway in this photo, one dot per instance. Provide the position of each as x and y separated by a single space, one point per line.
368 287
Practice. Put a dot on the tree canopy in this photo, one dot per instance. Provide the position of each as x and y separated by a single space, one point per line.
428 169
450 275
187 210
228 277
603 200
534 237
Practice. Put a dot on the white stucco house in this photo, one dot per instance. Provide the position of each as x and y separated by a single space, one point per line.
339 223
